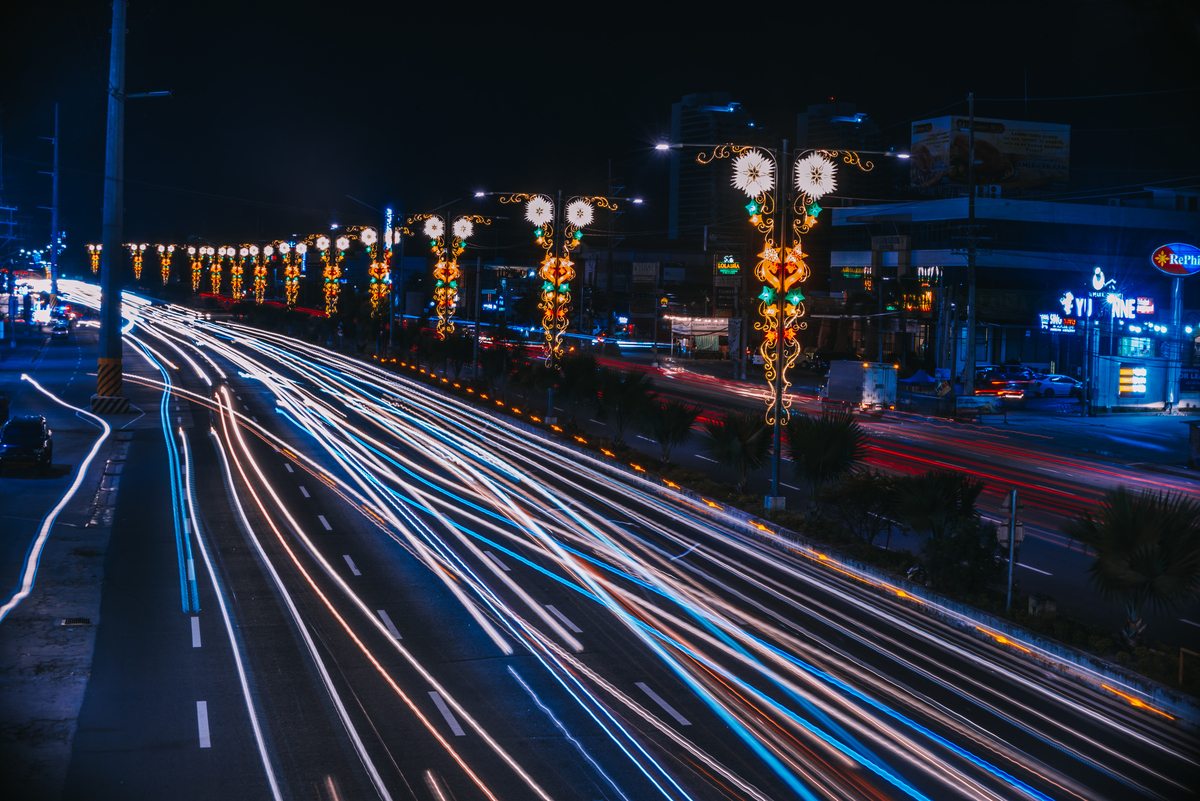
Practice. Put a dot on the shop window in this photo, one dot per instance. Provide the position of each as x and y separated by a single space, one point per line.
1136 346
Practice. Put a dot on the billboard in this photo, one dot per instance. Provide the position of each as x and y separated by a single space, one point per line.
1008 153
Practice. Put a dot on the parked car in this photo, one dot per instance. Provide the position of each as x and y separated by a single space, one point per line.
26 439
1056 386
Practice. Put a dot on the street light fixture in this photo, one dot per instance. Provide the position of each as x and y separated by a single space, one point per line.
781 267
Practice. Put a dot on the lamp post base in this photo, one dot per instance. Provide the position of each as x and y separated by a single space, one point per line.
775 503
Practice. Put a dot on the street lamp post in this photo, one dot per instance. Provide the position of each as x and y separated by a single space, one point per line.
781 267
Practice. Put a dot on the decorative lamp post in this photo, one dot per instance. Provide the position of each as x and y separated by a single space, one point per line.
557 270
214 270
292 257
94 252
446 272
258 260
196 256
237 272
138 252
380 270
781 267
332 272
165 254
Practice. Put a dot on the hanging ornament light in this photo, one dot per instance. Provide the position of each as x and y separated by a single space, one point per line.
94 253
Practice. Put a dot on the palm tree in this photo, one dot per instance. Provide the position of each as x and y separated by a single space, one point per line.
671 424
739 441
1147 551
626 396
827 447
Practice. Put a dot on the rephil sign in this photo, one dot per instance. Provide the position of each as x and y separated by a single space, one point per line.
1177 259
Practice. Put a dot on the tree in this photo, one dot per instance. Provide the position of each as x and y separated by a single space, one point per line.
671 424
937 501
625 396
580 381
962 558
739 441
1147 551
827 447
863 502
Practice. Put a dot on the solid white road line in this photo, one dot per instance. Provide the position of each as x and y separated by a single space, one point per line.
388 624
1034 569
353 567
202 723
288 467
325 522
658 699
566 621
304 491
195 632
447 714
497 561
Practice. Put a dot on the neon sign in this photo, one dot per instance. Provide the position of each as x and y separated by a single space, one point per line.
1176 259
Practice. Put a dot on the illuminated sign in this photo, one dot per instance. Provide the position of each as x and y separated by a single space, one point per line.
1131 381
1052 321
729 265
1177 259
1145 305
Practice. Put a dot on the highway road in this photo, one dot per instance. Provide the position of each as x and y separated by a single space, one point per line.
409 595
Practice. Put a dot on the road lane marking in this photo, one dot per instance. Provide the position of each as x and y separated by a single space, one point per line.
496 560
388 624
288 467
1189 622
705 458
353 567
639 436
304 491
566 621
1034 569
255 419
202 723
191 569
447 714
658 699
239 397
195 632
789 486
597 422
325 522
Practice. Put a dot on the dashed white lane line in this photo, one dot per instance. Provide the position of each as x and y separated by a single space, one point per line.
1034 569
325 522
597 422
647 439
658 699
304 491
705 458
195 632
447 714
202 723
353 567
789 486
496 560
255 419
1189 622
288 467
388 624
566 621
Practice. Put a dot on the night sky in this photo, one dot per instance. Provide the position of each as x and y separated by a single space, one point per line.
282 110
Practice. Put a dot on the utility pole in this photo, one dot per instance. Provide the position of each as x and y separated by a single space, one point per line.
475 345
108 397
969 379
54 232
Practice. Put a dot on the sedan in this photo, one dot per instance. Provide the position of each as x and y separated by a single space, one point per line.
26 439
1056 386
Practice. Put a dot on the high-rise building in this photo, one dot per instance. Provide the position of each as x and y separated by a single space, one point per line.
704 210
836 125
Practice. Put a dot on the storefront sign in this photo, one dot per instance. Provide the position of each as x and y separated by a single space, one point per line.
1177 259
728 265
1057 323
1131 381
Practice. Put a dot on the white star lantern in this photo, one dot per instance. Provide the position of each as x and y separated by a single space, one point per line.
753 173
463 228
816 176
539 210
580 213
434 227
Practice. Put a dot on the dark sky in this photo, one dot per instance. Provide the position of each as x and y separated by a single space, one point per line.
282 110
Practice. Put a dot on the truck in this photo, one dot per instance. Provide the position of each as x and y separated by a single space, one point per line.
861 385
